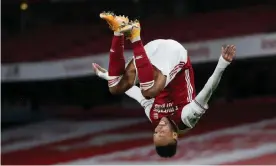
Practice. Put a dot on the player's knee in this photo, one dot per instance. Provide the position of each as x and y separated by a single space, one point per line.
148 94
120 88
158 86
152 92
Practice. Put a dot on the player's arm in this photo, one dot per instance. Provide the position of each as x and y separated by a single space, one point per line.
193 111
135 93
227 54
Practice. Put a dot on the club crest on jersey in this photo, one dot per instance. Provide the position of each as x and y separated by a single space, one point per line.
155 116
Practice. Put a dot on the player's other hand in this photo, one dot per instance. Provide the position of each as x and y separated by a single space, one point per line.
100 71
228 52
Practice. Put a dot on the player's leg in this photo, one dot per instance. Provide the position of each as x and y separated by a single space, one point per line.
142 62
116 67
126 82
120 78
116 56
151 79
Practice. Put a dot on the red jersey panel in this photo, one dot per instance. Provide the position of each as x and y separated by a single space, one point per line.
179 92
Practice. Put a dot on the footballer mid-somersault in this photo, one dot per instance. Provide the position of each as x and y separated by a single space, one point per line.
165 75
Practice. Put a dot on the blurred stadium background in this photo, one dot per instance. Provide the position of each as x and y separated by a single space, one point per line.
54 110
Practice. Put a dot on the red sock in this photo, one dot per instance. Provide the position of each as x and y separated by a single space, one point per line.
116 60
143 65
116 57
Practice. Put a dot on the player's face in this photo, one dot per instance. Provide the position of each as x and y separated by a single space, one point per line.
163 133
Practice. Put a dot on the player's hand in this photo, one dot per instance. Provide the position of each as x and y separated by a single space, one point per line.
228 52
100 71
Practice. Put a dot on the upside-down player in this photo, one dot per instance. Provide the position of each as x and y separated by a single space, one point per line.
165 74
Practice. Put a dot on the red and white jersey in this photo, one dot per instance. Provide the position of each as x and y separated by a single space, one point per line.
171 101
171 58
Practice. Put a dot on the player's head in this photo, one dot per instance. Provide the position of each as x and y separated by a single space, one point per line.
165 138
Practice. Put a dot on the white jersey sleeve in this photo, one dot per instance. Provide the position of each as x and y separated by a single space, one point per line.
135 93
191 113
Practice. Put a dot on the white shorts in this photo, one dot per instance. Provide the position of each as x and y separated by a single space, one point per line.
168 56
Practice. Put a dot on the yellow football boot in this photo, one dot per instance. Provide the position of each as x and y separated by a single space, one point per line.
131 30
114 22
